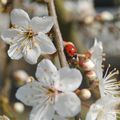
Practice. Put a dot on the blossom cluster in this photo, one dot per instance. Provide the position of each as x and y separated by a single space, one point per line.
52 95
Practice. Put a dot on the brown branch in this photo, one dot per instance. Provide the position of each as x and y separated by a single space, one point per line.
58 40
58 36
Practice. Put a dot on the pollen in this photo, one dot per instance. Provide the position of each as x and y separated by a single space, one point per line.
52 92
29 33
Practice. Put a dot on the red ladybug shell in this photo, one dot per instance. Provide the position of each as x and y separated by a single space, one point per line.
70 49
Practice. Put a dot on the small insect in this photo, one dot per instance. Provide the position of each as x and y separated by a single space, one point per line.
70 49
71 53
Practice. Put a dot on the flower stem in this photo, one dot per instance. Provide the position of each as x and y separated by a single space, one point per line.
58 36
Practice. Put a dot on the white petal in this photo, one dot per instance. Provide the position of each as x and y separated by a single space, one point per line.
67 104
11 35
15 52
31 54
93 112
44 112
20 18
46 45
32 94
46 70
70 79
97 57
42 24
57 117
104 108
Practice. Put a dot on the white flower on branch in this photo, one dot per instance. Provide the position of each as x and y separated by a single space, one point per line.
108 83
28 38
106 108
52 93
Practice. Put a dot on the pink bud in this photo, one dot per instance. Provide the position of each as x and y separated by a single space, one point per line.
87 64
91 74
85 94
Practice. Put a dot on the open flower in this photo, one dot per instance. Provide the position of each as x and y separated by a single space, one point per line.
108 83
27 38
106 108
52 93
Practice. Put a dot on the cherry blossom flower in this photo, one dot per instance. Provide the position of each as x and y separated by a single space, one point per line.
52 93
106 108
28 38
108 83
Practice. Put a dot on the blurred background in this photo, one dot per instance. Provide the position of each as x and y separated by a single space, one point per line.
81 21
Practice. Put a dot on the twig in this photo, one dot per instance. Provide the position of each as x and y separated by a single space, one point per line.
59 40
58 36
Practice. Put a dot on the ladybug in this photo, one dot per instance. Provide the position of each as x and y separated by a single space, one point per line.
70 49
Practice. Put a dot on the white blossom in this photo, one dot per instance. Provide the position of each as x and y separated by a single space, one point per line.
52 93
106 108
108 83
96 56
28 38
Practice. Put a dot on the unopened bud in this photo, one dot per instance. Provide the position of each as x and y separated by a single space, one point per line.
30 79
19 107
91 75
85 94
20 75
87 65
89 19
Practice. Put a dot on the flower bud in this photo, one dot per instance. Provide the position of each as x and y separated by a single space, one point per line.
91 75
20 75
86 64
30 79
19 107
85 94
89 19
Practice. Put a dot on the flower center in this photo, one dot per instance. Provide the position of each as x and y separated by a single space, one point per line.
52 91
29 33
